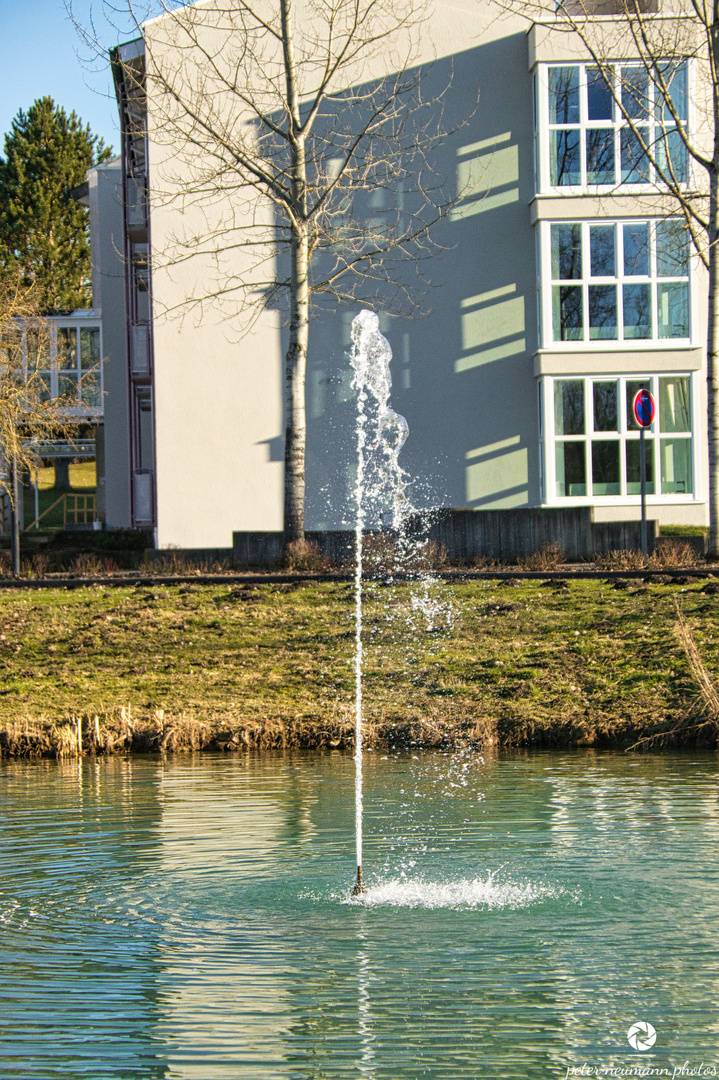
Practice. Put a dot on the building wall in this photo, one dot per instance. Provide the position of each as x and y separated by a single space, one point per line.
465 376
108 289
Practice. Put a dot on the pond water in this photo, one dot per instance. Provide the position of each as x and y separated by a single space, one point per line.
191 918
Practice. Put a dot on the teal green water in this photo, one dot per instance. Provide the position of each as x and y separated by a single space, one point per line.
191 918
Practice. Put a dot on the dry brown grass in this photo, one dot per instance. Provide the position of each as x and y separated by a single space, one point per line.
549 557
669 554
304 556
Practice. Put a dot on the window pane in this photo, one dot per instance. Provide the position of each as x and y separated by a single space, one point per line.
673 304
564 158
41 382
569 407
600 156
566 252
564 95
601 248
676 466
67 385
568 323
674 404
675 80
634 166
602 311
636 250
67 348
605 467
599 96
637 311
635 92
605 406
89 348
672 249
671 156
571 469
634 476
90 389
633 388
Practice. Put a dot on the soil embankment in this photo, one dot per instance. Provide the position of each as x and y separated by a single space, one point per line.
238 665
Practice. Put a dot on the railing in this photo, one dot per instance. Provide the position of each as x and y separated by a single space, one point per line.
76 510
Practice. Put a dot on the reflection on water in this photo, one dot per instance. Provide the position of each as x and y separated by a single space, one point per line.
193 919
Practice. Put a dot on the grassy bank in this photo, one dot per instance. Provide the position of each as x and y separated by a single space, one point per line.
233 666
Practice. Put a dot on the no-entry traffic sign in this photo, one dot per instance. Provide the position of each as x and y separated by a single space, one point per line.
644 408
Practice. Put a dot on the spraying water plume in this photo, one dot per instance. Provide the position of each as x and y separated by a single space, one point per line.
380 491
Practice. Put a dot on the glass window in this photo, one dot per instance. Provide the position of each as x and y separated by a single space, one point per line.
673 307
671 156
600 156
565 161
602 458
602 312
564 95
674 404
600 103
606 417
634 167
605 467
634 474
67 378
571 469
602 261
593 142
567 317
637 311
672 248
636 249
637 290
567 251
569 407
676 466
672 80
635 92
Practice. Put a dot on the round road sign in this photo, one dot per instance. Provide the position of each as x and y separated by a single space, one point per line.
644 408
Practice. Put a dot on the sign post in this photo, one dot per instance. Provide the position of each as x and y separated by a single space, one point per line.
644 411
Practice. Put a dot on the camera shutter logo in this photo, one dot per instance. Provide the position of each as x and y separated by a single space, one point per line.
642 1035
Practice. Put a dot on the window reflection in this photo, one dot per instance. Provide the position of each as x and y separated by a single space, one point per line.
569 407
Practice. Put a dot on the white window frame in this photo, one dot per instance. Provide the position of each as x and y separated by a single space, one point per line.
544 185
80 408
653 435
619 279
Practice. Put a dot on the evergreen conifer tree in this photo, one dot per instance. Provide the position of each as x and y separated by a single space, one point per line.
44 233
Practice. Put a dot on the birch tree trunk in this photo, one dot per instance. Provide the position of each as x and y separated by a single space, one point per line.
295 365
713 362
296 358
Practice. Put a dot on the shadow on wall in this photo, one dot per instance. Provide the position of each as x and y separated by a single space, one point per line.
462 375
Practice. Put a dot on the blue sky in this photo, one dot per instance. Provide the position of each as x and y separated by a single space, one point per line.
41 54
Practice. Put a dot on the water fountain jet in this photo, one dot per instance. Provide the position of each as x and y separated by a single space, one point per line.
380 485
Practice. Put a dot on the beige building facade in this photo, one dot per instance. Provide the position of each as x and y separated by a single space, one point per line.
561 283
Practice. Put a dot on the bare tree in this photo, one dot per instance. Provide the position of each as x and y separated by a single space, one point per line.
29 417
640 57
301 137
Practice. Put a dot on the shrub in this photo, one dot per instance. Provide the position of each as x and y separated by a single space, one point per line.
668 554
619 559
304 556
672 553
548 557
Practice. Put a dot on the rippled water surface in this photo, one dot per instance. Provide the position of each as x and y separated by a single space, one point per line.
192 918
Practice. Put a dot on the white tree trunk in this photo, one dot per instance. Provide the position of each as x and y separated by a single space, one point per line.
713 364
295 366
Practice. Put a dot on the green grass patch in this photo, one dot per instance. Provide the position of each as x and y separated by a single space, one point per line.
531 664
